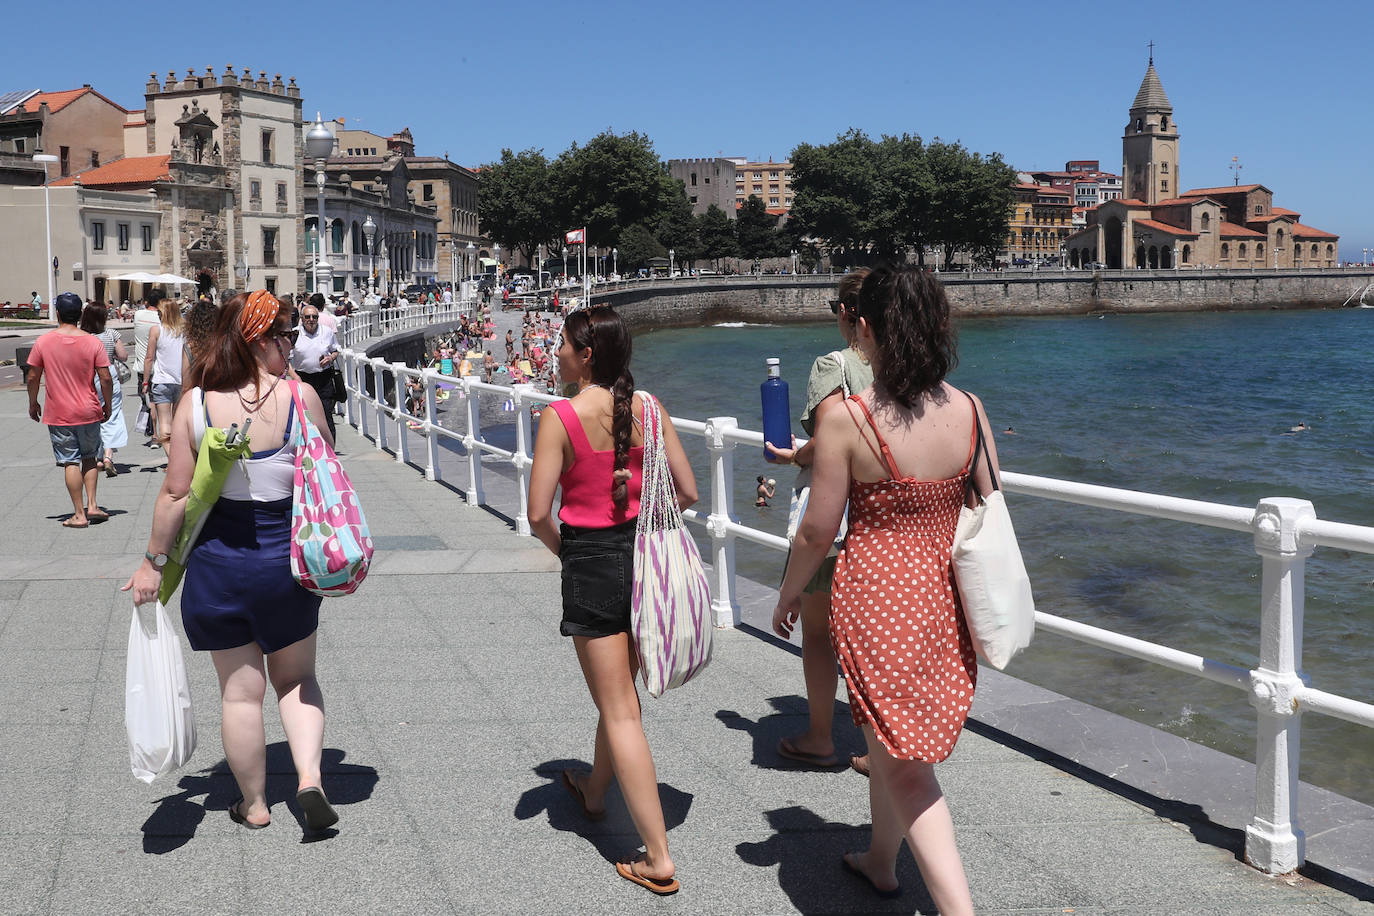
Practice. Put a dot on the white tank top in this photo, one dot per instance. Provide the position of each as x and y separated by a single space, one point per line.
167 368
270 474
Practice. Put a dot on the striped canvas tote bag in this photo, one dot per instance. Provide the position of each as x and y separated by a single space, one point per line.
671 606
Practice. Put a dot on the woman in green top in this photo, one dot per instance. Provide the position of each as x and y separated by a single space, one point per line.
833 376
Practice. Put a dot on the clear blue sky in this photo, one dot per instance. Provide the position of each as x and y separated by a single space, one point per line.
1284 86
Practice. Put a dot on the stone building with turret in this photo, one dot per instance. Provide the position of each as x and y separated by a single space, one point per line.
1157 224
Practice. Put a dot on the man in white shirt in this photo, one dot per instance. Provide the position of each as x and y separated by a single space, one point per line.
145 319
313 357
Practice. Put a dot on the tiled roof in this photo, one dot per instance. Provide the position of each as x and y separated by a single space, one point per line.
1270 218
59 100
1176 202
1307 232
1226 189
1151 94
1232 231
1165 228
1283 211
130 172
1129 201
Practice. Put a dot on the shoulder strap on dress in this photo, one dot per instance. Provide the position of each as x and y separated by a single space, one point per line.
573 424
886 457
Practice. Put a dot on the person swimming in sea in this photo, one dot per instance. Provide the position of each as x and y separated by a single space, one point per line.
764 492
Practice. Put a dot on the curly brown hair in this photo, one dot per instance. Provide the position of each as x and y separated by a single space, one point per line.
907 309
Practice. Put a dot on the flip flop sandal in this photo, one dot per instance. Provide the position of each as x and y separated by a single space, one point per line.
570 783
319 813
789 751
238 818
890 894
659 886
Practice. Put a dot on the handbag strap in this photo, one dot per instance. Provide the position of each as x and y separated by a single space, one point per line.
980 447
657 496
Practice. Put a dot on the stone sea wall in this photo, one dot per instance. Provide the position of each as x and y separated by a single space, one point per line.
773 300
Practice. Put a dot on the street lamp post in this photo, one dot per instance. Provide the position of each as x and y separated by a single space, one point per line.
672 255
319 143
241 271
565 265
794 262
615 262
471 259
369 233
46 158
496 253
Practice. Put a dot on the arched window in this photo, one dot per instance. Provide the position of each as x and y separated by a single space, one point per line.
1164 167
1279 238
1259 249
1164 123
1206 221
1297 252
1241 252
1314 250
356 237
1187 253
1139 125
1225 251
1330 251
336 236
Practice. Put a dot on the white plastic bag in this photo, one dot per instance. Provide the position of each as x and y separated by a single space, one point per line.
157 700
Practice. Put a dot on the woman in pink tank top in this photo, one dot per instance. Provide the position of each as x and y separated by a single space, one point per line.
594 451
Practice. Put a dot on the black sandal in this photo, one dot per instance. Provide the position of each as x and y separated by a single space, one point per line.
319 813
237 816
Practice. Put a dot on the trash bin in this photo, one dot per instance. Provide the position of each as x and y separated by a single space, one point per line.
21 359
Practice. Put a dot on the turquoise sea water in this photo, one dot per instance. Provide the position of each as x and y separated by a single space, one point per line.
1191 405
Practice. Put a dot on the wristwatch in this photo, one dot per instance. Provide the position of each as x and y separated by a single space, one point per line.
158 560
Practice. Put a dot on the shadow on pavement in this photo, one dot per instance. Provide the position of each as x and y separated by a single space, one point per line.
615 838
807 850
175 820
768 731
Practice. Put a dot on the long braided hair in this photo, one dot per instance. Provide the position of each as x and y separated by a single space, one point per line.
603 330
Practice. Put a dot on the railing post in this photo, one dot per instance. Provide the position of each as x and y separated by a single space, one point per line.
724 603
379 400
350 374
402 421
523 456
430 380
360 372
1273 842
475 494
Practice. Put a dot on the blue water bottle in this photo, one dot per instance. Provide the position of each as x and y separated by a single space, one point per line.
777 412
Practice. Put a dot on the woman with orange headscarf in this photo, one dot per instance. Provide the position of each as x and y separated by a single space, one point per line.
239 600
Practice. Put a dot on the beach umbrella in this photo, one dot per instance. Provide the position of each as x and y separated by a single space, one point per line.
219 449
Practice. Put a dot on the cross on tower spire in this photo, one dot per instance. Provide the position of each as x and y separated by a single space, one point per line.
1152 52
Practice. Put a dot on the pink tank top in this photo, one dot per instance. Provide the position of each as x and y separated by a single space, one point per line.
587 483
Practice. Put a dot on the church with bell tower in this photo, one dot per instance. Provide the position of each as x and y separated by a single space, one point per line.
1158 225
1149 147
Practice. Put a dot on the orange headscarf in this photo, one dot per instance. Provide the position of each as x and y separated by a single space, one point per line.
258 314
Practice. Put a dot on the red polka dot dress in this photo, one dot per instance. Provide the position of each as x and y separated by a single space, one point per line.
895 619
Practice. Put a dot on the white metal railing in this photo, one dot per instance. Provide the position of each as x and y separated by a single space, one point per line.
1284 531
369 323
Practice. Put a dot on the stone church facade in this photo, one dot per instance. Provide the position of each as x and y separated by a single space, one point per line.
1157 224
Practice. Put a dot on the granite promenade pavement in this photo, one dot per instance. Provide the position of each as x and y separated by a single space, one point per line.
452 706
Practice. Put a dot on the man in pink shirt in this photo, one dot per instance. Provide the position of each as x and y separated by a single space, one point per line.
71 361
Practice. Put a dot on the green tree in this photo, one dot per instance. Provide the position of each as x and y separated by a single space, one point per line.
717 235
612 183
756 230
975 201
516 206
675 227
637 245
834 190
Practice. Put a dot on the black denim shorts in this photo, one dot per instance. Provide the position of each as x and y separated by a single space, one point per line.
598 573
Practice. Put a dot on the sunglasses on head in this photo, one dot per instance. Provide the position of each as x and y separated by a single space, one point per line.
837 304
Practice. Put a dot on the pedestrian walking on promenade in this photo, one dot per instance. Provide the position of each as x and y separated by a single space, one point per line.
114 434
145 319
239 600
834 377
595 453
900 452
162 368
69 363
313 357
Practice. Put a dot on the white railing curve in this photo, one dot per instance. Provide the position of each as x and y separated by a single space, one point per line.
1285 531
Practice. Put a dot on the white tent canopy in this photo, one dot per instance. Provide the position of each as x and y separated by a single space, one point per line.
140 277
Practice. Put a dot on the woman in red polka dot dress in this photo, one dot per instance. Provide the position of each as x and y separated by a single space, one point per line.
900 453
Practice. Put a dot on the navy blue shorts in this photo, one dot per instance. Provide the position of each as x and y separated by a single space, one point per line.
598 574
239 588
